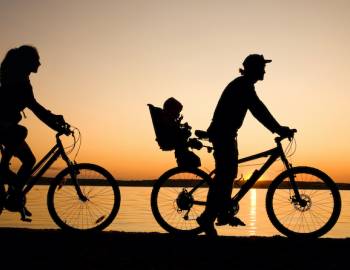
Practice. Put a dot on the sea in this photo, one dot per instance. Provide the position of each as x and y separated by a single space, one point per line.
135 214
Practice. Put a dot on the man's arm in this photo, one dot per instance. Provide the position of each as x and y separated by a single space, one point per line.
260 112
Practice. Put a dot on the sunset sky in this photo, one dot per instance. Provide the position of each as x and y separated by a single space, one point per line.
103 61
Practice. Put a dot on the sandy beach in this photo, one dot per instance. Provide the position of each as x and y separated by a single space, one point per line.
56 249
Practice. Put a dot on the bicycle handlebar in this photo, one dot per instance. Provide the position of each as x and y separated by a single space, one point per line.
289 136
64 129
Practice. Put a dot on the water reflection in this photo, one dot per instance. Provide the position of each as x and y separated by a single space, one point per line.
252 213
135 214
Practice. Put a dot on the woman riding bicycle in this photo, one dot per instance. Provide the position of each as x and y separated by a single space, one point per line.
16 94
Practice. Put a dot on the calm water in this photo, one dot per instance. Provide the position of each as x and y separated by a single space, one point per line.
135 214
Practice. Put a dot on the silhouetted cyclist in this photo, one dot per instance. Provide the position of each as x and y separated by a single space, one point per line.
16 94
237 98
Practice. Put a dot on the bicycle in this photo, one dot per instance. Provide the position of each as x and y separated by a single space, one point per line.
300 202
81 197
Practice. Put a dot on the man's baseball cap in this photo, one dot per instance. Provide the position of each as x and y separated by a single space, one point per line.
253 60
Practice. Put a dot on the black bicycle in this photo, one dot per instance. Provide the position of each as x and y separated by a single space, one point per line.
300 201
82 197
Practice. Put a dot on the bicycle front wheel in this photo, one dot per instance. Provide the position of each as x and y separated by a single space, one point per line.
88 201
178 198
317 210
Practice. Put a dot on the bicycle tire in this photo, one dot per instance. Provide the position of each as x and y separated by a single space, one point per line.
319 213
69 212
171 200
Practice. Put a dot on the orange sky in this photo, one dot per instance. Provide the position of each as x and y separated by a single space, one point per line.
103 61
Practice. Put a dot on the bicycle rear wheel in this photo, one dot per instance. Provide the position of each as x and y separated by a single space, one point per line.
94 209
178 198
315 214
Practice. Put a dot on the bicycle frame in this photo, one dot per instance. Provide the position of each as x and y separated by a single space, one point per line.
44 164
273 155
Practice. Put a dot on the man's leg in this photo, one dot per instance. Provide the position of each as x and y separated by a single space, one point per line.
219 195
226 164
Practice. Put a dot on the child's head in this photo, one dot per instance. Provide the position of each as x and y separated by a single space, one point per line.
172 107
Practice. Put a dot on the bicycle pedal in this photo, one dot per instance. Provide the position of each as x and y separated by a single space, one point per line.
235 221
222 222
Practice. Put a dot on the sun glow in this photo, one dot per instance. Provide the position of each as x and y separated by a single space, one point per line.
147 51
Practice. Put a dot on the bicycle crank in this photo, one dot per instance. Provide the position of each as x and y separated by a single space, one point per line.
184 201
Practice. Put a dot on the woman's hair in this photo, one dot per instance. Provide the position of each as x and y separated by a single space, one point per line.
16 61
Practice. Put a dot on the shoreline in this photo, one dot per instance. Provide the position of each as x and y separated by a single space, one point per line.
57 249
264 184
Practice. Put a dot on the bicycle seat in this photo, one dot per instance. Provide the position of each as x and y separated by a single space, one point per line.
201 134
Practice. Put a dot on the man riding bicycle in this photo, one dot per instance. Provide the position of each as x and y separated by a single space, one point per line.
237 98
16 94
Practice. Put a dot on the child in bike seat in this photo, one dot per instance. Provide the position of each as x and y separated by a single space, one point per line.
179 134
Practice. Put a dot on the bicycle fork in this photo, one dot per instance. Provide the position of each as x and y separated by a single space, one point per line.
73 171
297 197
